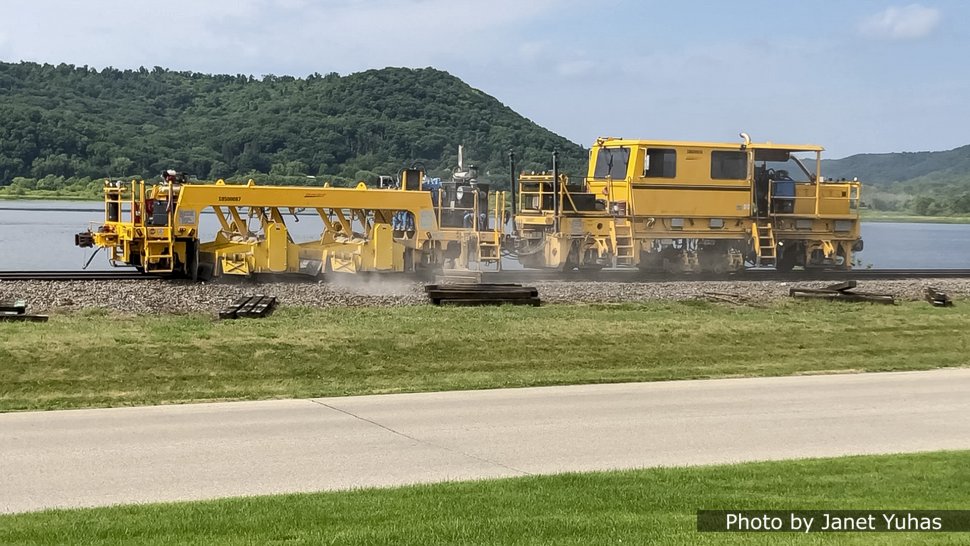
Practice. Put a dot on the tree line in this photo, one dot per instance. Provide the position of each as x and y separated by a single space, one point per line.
69 126
921 183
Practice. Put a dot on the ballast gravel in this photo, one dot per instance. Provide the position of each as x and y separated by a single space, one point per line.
163 296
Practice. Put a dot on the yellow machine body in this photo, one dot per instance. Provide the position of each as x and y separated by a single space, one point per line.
156 228
691 206
652 204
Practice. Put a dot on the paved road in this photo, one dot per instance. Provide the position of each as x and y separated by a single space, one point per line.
108 456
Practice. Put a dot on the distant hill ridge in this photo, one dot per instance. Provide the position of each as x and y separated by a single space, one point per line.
81 122
908 169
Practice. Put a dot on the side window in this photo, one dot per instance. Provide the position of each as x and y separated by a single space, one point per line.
660 163
729 165
612 163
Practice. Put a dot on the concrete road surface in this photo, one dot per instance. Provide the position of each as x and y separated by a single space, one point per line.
169 453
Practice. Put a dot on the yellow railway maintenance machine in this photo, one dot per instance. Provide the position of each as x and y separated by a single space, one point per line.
411 226
690 206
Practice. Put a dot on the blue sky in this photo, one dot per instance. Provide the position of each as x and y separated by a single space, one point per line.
860 76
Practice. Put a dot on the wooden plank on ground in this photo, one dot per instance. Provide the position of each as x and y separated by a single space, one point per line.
522 292
471 287
247 309
13 306
809 293
462 277
842 286
18 317
535 302
258 307
937 298
482 294
231 311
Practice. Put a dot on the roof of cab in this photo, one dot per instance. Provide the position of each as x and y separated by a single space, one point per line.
730 145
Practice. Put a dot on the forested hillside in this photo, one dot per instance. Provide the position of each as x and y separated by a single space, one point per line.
64 128
65 122
925 183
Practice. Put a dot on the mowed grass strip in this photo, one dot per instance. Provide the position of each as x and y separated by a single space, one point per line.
630 507
99 359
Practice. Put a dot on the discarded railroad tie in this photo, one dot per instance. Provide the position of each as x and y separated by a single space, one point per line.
482 294
726 297
459 277
16 311
841 292
257 306
937 298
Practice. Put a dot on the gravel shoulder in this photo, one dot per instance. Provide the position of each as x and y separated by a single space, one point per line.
159 296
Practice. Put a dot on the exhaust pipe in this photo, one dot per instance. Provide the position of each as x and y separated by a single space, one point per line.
555 191
747 140
512 181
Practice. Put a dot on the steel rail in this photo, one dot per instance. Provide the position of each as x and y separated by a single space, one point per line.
74 275
606 275
627 275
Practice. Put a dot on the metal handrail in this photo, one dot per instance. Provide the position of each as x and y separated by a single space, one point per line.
853 196
563 194
473 209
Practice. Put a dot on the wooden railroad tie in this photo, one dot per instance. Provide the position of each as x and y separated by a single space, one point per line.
937 298
16 311
841 292
482 294
459 277
257 306
726 297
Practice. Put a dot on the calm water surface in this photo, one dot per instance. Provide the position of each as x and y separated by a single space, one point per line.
39 235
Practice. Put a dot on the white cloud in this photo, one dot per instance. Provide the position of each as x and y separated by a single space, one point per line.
534 50
267 36
901 23
575 69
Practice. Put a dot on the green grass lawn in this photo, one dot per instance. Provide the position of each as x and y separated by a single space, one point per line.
886 216
628 507
98 359
50 195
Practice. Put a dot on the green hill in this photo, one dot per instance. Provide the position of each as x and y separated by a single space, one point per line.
949 167
69 121
64 128
923 183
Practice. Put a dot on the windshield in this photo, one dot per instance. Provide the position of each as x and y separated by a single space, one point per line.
612 163
784 165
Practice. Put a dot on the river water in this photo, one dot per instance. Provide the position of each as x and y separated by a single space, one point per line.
39 235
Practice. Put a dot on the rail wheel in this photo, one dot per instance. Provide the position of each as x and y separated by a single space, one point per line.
842 260
786 261
192 260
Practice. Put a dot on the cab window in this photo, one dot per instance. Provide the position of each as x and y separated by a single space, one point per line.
660 163
612 163
729 165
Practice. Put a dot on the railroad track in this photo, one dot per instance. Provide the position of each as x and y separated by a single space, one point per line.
748 275
616 275
121 275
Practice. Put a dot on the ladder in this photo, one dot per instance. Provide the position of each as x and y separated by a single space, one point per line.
621 231
765 248
159 256
490 249
490 240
